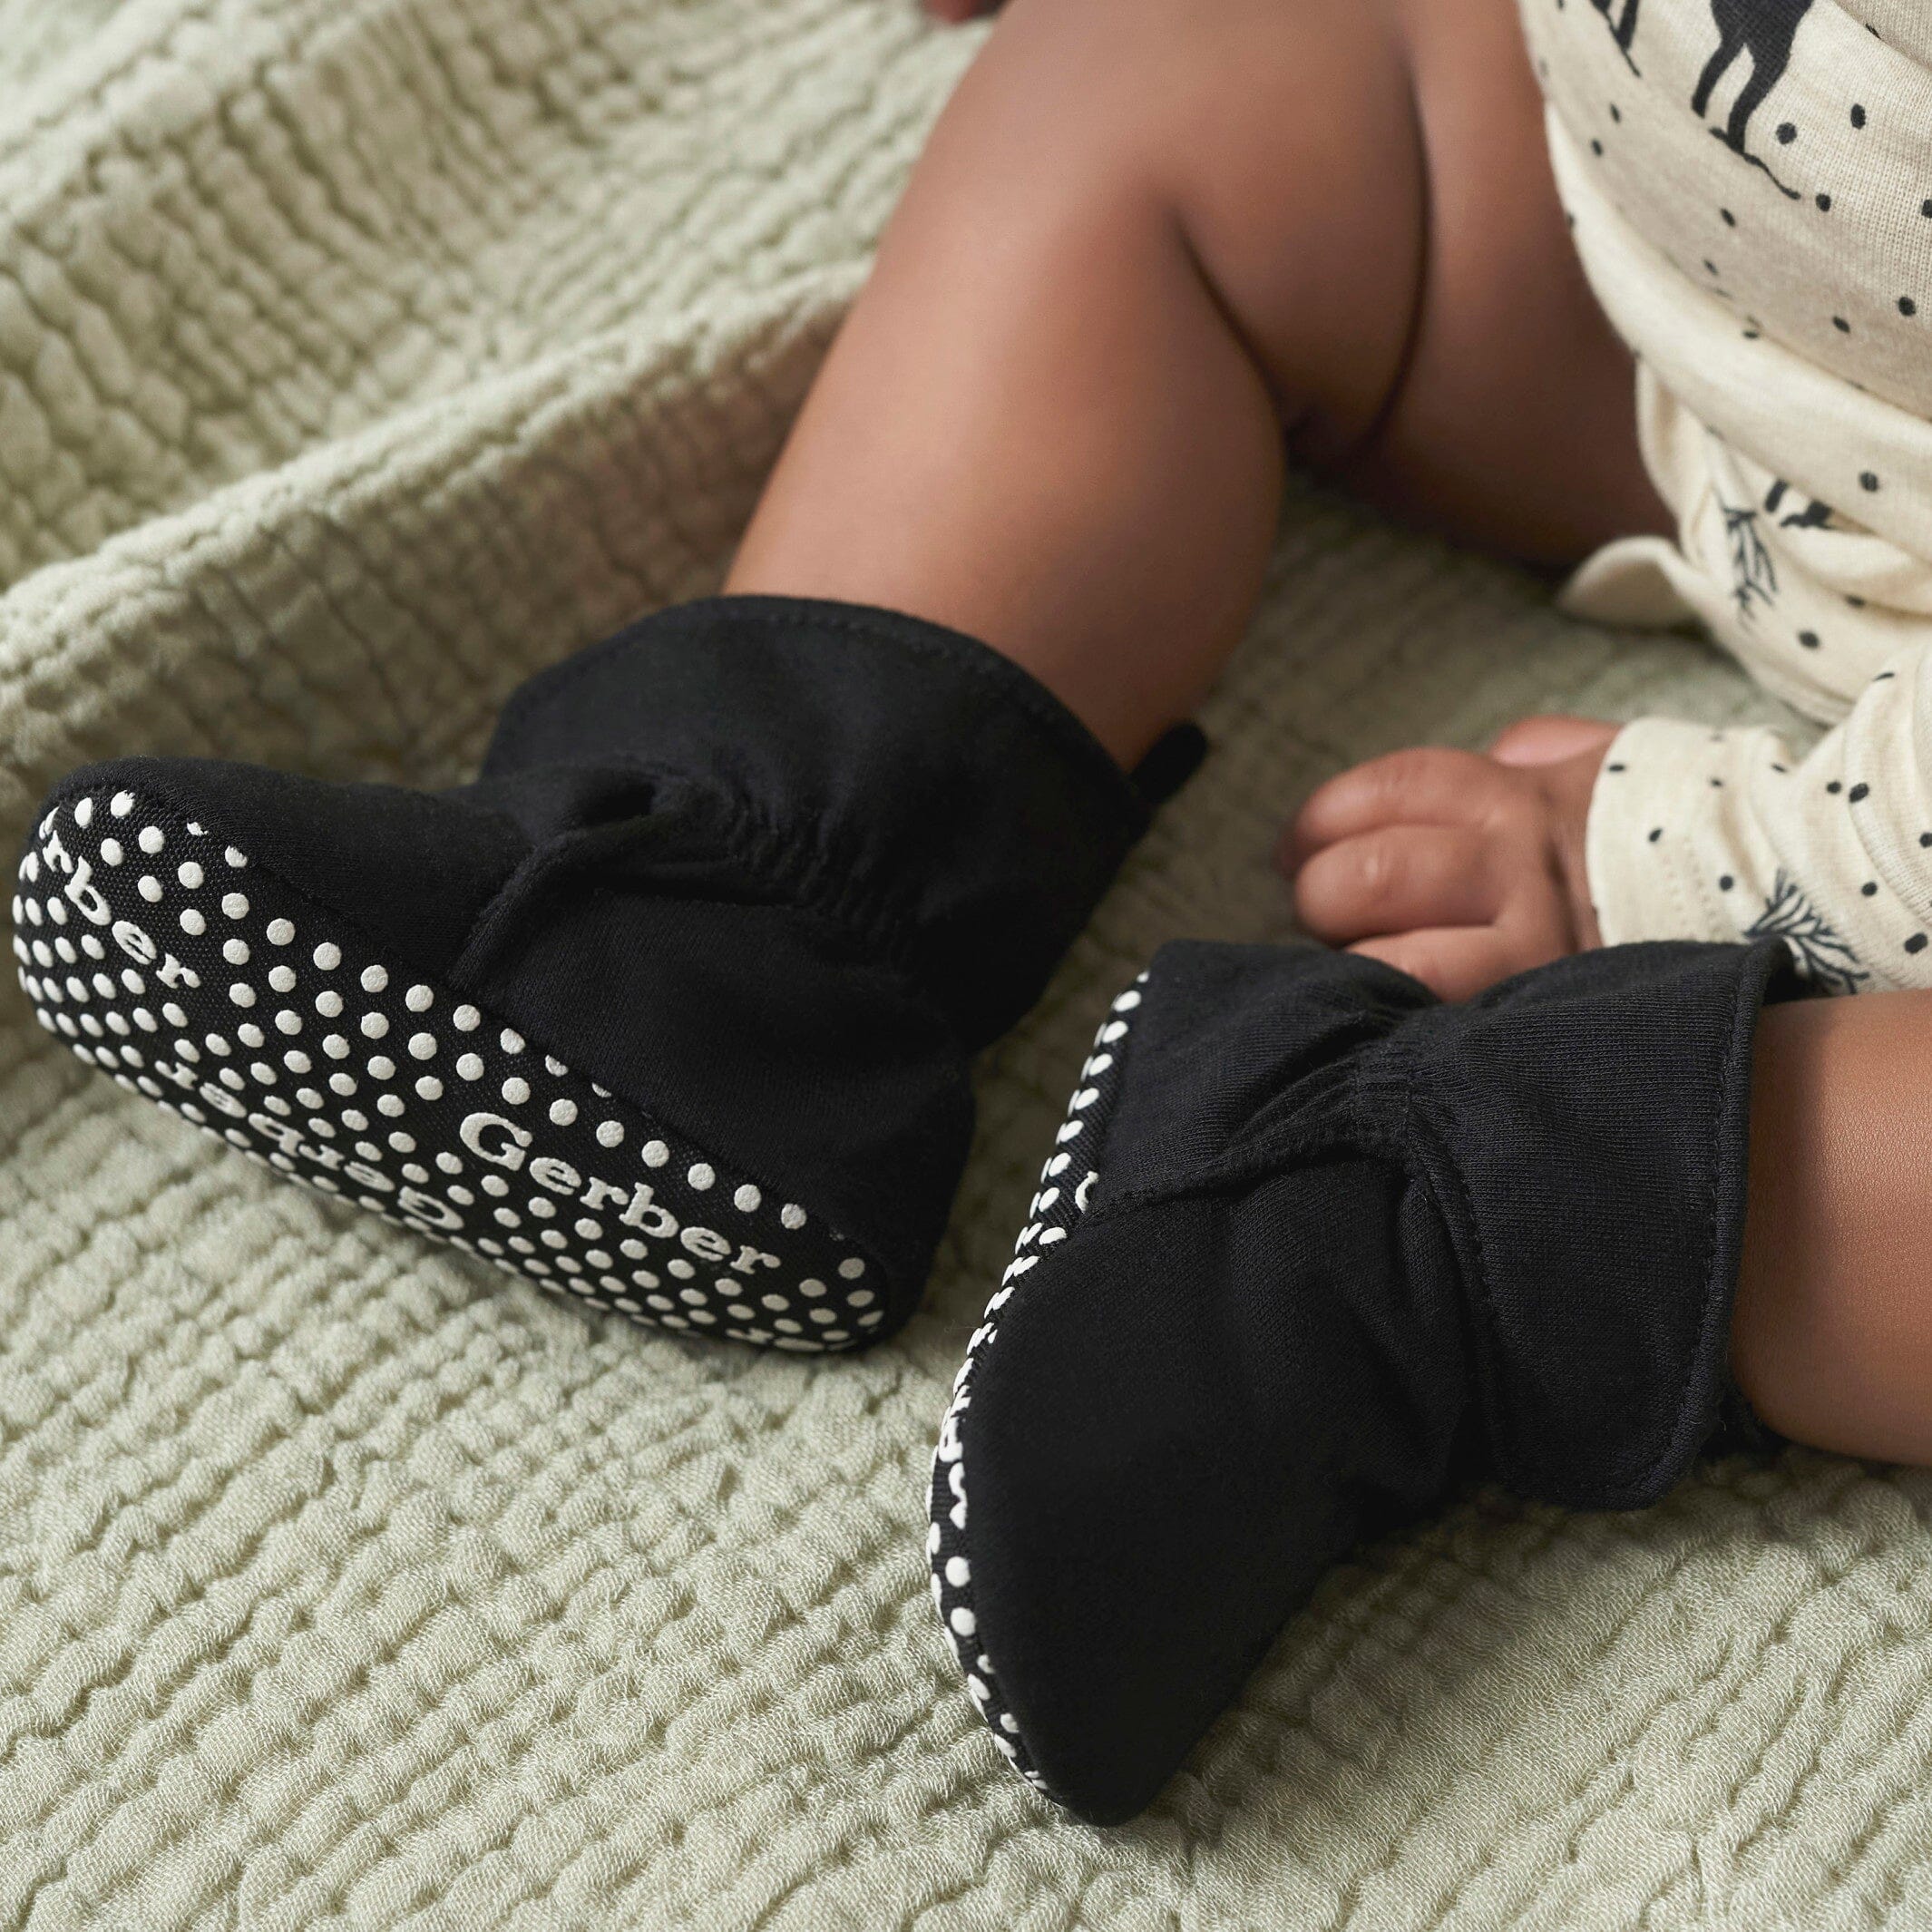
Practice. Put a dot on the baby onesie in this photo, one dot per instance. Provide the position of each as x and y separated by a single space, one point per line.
1748 183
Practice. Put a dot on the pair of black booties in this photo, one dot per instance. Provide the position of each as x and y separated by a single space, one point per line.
672 1012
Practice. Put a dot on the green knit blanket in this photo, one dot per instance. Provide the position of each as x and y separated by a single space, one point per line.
357 357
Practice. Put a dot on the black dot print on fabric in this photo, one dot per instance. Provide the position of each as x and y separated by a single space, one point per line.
1725 882
1730 220
1906 305
1824 203
1834 787
1858 116
1868 480
1924 839
1869 889
1917 943
1809 639
163 958
1857 793
1840 324
1657 833
1787 134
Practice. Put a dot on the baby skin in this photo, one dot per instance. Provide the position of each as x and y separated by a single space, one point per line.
1156 253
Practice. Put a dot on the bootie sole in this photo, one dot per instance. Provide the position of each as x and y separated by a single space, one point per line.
1056 1206
161 954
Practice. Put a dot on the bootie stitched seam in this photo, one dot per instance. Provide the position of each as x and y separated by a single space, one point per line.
803 878
1255 1161
1014 685
1635 1491
162 805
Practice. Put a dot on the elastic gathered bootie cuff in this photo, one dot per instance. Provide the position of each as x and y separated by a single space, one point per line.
1312 1249
670 1009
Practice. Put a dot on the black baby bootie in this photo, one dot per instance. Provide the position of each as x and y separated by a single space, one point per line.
1312 1248
670 1011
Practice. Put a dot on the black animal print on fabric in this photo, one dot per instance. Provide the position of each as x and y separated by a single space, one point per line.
1753 574
1815 515
1764 29
1823 956
1623 29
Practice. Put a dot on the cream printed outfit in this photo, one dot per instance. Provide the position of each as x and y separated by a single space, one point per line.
1750 186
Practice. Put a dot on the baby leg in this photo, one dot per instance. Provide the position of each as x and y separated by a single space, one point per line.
672 1012
1149 246
1832 1340
740 889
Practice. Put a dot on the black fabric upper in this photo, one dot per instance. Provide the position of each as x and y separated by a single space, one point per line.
898 779
792 863
1581 1132
771 868
1346 1246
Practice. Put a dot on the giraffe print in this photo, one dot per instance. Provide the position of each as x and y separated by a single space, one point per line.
1765 31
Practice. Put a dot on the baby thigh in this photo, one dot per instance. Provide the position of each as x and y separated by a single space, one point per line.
1512 424
1149 242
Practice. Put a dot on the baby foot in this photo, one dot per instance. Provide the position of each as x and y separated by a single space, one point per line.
271 960
1312 1248
1458 868
669 1012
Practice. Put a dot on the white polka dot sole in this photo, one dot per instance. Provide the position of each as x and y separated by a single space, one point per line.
162 957
1060 1200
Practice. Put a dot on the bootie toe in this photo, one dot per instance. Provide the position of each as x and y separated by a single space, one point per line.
669 1011
1310 1249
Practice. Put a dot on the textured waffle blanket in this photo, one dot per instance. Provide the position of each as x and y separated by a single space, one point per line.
357 357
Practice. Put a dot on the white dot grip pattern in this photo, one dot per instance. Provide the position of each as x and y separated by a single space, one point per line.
1058 1203
163 957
